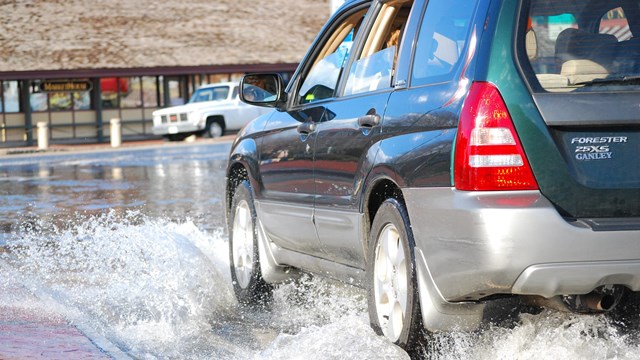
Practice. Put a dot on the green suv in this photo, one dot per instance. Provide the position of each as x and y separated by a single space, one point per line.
447 153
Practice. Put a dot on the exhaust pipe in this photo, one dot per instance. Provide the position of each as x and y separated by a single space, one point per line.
602 299
600 302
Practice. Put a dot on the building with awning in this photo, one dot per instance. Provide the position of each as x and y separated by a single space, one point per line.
75 65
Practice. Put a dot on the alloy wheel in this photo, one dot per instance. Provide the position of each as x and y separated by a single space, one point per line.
242 244
390 282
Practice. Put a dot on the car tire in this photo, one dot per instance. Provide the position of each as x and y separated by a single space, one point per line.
214 129
394 305
249 286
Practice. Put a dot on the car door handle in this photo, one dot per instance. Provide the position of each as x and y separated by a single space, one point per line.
306 128
369 120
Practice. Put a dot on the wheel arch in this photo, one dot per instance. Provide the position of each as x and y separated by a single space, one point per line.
380 188
379 191
215 117
242 166
236 174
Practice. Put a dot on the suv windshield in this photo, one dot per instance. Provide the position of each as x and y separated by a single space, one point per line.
210 94
584 45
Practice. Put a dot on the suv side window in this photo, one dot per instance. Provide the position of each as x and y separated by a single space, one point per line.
441 40
321 80
373 69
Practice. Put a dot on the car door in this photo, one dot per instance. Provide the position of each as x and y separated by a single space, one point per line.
351 127
286 201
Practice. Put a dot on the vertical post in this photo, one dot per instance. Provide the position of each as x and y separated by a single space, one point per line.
185 88
166 92
96 94
43 135
116 132
25 107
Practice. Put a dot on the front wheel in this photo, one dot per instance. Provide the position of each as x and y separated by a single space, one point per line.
394 309
214 129
248 284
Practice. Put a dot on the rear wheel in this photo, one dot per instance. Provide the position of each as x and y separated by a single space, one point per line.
394 309
248 284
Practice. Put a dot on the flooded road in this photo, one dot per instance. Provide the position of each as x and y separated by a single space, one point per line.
131 245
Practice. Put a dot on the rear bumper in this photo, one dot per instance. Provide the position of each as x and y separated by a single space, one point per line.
576 278
476 244
175 128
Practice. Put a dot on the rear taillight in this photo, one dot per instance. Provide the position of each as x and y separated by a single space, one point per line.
488 153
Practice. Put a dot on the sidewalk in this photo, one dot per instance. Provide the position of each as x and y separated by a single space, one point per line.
61 148
25 334
31 327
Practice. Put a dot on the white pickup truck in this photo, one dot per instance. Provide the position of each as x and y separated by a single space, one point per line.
212 110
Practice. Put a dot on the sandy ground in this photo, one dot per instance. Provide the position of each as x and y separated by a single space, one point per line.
76 34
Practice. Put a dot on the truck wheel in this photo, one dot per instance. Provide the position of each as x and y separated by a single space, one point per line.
248 284
214 129
394 309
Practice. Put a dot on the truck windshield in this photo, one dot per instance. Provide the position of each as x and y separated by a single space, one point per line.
210 94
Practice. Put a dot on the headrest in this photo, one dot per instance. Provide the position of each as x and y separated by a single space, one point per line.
531 44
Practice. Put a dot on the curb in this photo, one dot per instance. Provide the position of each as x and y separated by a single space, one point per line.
84 148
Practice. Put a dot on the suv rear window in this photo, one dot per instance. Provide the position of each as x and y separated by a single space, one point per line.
583 46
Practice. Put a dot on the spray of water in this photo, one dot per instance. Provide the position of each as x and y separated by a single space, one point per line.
318 318
160 289
145 284
548 335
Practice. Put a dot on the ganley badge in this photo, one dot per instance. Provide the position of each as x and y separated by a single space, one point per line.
596 148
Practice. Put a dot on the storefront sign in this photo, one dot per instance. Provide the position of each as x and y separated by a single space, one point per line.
64 86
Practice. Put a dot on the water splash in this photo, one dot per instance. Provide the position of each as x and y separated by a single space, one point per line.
316 300
548 335
319 318
161 289
347 338
144 283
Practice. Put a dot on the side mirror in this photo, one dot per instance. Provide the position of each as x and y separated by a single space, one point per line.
262 90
